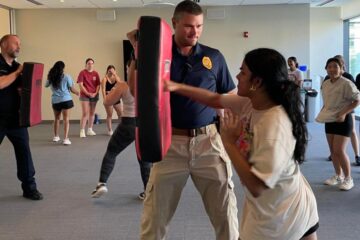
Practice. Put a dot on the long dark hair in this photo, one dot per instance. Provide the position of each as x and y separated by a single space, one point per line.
109 67
270 66
294 60
56 73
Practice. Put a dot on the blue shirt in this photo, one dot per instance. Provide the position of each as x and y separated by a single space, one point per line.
61 94
205 68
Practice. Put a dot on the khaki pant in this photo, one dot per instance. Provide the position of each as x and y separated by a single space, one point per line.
204 159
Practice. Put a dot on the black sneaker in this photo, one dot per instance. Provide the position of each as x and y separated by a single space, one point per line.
33 195
142 196
357 161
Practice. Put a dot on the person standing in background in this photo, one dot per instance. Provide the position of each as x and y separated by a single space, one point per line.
89 83
61 85
108 82
340 97
294 73
357 83
353 138
10 82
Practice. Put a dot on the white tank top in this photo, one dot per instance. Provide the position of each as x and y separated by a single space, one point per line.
128 104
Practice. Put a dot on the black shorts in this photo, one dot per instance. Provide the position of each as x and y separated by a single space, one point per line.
63 105
340 128
311 230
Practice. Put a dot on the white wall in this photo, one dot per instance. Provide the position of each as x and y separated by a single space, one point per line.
326 35
350 9
73 35
326 40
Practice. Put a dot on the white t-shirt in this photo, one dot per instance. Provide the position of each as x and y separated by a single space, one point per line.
128 104
287 209
336 96
295 75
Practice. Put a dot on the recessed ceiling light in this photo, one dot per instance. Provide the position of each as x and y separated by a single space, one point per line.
62 1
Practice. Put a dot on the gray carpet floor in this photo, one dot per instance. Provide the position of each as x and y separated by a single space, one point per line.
66 175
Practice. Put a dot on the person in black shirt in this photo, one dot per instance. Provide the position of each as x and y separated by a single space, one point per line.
10 80
357 83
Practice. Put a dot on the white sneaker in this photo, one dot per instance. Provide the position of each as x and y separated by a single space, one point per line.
347 184
56 139
334 180
90 132
100 190
82 133
66 141
110 132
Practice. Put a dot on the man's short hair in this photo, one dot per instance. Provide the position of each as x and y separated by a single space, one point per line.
5 38
187 6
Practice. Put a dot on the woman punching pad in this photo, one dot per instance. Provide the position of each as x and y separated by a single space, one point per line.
153 117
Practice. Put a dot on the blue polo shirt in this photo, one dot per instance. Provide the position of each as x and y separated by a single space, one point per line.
205 68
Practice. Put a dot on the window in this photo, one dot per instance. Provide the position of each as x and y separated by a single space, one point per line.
354 46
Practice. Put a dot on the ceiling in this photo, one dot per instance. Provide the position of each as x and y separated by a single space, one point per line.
31 4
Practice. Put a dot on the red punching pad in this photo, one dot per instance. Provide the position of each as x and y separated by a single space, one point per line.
153 53
30 104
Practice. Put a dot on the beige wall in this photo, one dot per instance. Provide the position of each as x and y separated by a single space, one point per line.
4 22
73 35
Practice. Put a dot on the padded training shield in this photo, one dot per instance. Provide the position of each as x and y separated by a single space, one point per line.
30 105
153 131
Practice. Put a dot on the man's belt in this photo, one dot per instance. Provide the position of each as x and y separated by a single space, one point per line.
192 132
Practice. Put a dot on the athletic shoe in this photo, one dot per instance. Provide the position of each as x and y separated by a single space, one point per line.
334 180
142 196
347 184
82 133
357 161
90 132
33 195
67 141
110 132
100 190
56 139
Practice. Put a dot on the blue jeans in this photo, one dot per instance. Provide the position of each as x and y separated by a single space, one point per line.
123 136
19 137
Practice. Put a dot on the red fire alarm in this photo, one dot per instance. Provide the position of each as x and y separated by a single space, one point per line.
246 34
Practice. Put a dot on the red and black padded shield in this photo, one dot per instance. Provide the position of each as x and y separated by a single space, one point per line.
30 104
153 123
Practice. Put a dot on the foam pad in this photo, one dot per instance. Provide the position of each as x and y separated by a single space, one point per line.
153 53
30 104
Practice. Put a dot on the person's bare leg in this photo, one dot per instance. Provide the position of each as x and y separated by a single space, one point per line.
66 121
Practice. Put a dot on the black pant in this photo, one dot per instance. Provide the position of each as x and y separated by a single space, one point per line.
123 136
19 137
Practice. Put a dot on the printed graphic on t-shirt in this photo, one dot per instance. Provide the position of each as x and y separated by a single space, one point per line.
292 77
245 138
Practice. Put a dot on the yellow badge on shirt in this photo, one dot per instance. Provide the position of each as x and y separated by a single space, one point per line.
206 61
